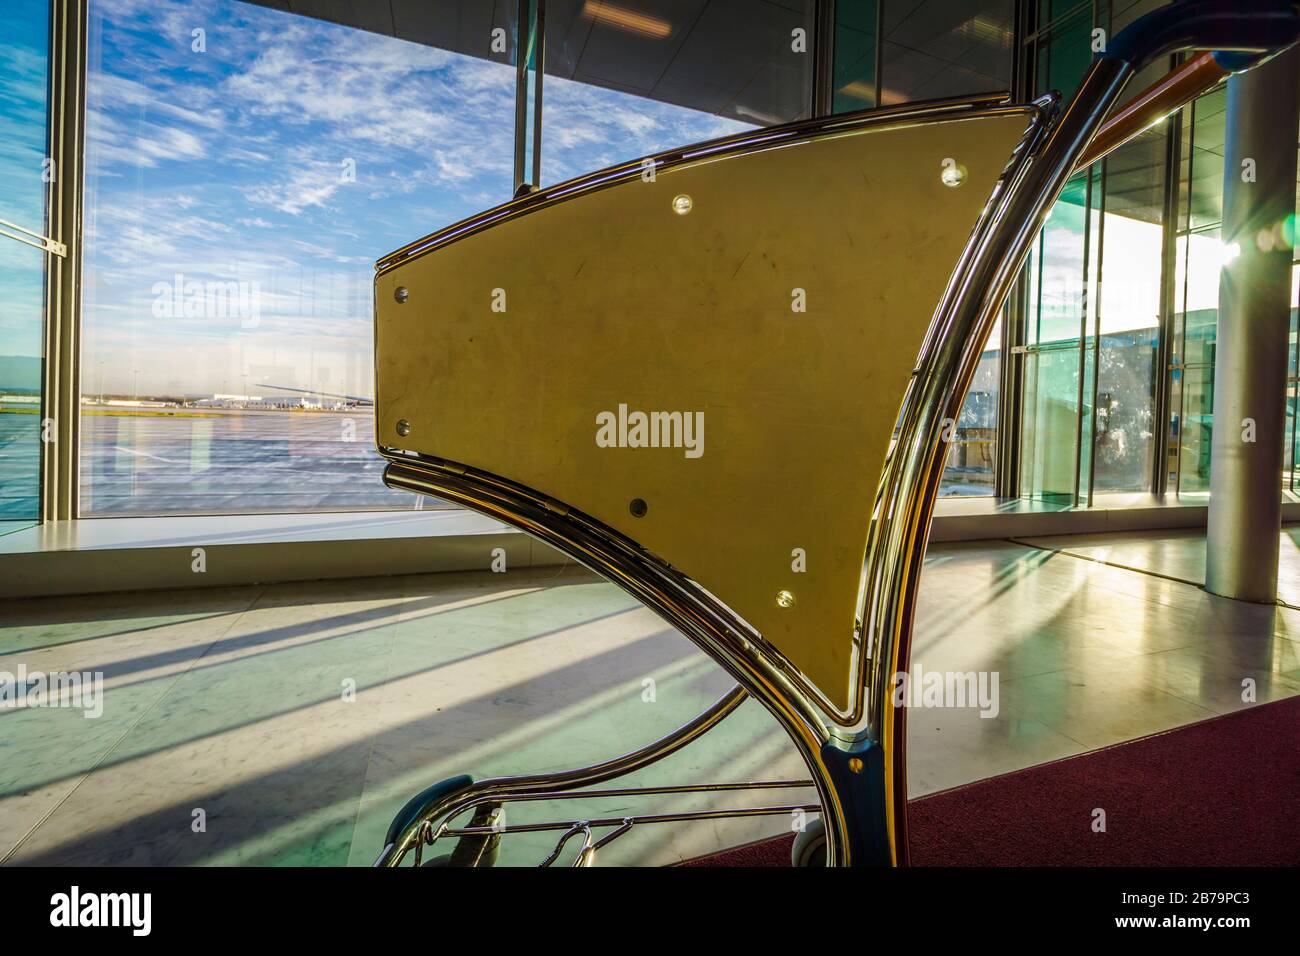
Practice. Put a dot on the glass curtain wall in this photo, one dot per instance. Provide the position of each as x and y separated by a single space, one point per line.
1200 254
244 173
1138 271
1092 334
25 178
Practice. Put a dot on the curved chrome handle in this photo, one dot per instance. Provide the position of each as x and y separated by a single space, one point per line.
1254 27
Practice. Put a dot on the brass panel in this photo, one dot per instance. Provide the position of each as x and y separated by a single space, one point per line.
614 297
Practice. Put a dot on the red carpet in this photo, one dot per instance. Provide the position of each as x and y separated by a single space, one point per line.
1219 793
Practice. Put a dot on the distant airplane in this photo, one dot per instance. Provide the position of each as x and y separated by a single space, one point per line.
363 402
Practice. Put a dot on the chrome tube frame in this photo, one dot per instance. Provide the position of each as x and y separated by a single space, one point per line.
622 824
523 786
427 833
949 356
725 813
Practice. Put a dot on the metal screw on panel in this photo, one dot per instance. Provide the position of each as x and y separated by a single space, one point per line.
403 427
784 599
954 173
683 204
638 507
856 764
401 294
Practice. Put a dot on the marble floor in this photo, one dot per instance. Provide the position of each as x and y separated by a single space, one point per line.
283 725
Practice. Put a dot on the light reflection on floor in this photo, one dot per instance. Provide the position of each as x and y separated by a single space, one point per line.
229 705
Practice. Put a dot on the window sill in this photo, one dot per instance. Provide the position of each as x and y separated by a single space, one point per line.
208 530
969 519
100 555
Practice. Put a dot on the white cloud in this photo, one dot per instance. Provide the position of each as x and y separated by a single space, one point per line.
225 165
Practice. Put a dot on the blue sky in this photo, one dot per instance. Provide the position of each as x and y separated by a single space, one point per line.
228 165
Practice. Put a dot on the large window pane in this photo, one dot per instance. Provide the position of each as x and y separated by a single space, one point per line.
1057 313
1131 242
1194 429
1126 370
937 48
627 79
1048 450
24 178
22 279
1093 331
245 167
1193 414
854 80
1056 366
24 86
1200 256
971 468
1062 61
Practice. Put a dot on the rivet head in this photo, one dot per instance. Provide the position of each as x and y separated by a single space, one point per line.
784 599
403 427
954 173
638 507
855 764
401 294
683 204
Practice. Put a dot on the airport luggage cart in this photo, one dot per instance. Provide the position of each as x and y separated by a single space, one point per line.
723 377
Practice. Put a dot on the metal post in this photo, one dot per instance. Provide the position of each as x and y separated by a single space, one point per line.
61 399
523 36
1168 281
880 54
1011 395
1250 366
823 47
539 72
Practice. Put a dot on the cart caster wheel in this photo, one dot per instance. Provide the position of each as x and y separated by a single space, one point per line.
809 845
